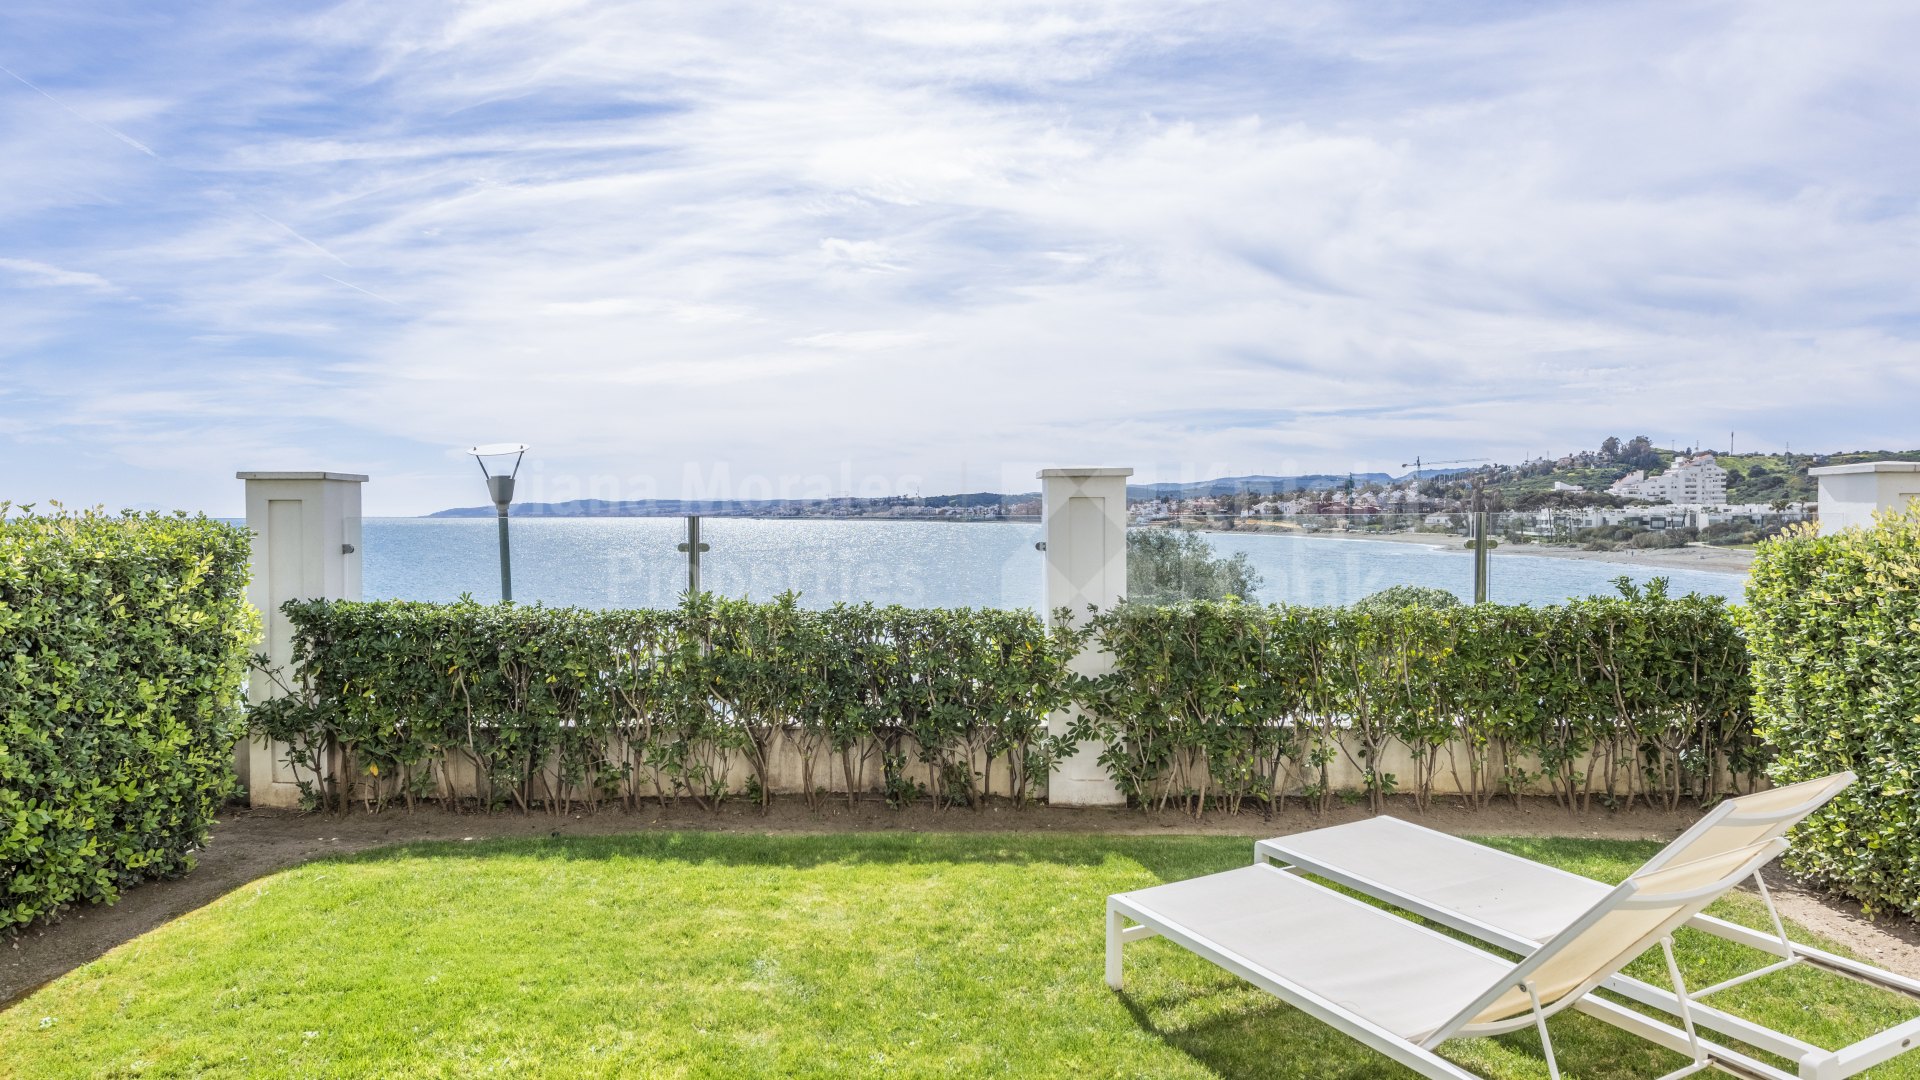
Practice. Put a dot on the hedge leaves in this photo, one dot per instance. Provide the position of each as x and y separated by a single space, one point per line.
553 706
1833 623
123 646
1210 704
1640 696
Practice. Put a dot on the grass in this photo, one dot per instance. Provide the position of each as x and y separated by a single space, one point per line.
709 955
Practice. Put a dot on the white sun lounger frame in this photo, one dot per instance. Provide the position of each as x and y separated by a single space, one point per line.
1813 1062
1124 908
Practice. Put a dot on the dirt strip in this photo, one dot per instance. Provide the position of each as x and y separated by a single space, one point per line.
248 844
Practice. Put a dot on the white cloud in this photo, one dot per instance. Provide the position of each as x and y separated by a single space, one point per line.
935 238
860 340
31 272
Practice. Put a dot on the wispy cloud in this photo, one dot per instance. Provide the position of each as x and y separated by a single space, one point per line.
31 272
77 115
937 238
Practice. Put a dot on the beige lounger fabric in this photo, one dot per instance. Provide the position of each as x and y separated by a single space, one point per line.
1394 973
1733 832
1625 931
1515 895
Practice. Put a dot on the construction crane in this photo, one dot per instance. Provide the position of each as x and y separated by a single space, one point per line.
1416 464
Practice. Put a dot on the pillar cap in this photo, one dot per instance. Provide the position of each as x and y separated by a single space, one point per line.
1045 474
1866 467
353 478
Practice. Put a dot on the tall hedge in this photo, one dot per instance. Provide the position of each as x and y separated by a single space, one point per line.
549 706
1211 704
123 648
1639 696
1833 623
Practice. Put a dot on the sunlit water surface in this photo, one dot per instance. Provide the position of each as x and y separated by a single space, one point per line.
634 562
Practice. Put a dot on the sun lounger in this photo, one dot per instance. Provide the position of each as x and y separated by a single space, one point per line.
1403 989
1517 904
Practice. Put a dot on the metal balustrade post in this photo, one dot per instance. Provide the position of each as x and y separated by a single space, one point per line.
693 547
1481 556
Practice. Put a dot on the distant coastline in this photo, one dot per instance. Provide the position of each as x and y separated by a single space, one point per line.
982 504
539 510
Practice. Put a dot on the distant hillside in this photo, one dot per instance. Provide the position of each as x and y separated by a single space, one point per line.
1272 485
1218 488
724 507
1751 478
1760 478
1769 477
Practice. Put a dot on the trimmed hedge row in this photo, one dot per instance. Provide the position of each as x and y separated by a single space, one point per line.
1636 696
123 649
1210 704
1833 623
545 704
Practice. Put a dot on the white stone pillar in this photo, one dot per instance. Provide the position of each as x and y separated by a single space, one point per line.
1083 514
306 546
1851 494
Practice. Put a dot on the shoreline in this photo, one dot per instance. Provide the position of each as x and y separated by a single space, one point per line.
1692 557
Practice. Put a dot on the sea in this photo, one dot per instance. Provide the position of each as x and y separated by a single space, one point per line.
635 562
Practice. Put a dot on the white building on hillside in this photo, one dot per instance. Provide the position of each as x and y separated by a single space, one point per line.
1695 480
1550 522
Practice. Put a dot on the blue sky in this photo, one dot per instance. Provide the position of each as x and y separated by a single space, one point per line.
871 246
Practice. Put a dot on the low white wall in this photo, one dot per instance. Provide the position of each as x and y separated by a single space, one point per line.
785 767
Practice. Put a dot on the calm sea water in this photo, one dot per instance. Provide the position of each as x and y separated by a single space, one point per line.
633 562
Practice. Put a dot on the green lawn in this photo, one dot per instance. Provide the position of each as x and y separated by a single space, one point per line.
709 955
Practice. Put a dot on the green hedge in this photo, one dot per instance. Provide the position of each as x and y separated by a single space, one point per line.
1227 702
1834 627
551 705
123 648
1210 704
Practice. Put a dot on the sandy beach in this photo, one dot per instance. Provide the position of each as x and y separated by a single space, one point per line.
1692 557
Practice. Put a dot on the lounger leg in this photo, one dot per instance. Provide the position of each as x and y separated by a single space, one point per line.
1546 1041
1113 947
1779 928
1686 1014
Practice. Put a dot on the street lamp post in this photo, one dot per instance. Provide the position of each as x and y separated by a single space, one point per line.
493 465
